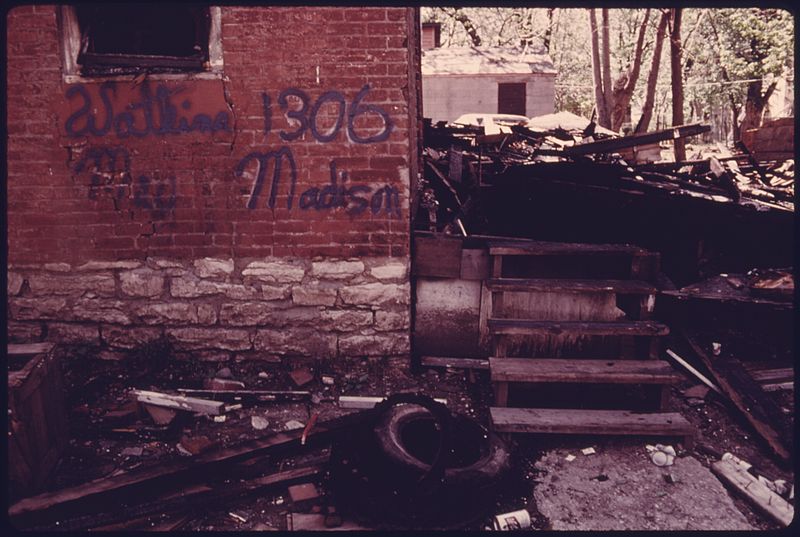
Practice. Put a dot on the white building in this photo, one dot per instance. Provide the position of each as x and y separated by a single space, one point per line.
490 80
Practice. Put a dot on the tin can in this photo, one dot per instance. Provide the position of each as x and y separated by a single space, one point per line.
515 520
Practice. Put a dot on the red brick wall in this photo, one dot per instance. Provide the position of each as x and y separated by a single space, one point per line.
123 188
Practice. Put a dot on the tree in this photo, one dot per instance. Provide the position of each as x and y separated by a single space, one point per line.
599 91
676 71
626 83
652 78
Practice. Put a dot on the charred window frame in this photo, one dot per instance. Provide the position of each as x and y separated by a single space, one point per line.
122 39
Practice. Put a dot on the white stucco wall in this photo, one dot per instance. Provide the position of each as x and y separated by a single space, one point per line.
445 97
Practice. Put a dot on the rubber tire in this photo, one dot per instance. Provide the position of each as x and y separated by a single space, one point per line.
484 472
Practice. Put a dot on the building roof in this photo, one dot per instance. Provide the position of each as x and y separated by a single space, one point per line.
532 59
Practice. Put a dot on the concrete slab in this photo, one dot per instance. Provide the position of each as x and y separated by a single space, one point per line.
619 488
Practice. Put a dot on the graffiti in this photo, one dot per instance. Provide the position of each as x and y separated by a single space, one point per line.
305 118
354 199
350 198
109 169
154 114
302 116
263 160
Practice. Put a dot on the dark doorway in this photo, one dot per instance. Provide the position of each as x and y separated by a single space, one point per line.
511 98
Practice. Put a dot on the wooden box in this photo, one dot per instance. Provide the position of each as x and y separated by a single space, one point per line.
37 422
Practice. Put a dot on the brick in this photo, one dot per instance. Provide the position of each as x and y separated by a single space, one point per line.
143 282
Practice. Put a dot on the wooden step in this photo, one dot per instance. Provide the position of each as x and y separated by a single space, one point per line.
582 371
581 421
628 287
576 328
558 248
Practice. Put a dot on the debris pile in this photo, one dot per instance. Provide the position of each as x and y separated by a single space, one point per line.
460 160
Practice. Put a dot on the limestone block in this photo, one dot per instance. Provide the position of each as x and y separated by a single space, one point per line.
57 267
46 284
246 313
306 342
162 263
275 271
206 314
24 332
128 338
33 309
73 333
274 292
345 320
142 282
210 338
107 311
390 271
391 320
377 345
307 295
168 313
14 283
336 270
375 294
188 286
109 265
209 267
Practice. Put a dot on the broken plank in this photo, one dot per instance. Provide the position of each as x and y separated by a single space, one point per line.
782 374
583 421
456 363
354 401
179 402
612 144
29 349
528 285
780 386
246 395
189 499
578 328
758 409
585 371
86 497
751 488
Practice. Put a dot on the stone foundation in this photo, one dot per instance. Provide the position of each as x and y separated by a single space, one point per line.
267 308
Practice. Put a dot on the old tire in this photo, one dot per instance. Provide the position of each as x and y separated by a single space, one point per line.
408 439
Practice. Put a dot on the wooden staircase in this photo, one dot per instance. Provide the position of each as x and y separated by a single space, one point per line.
615 275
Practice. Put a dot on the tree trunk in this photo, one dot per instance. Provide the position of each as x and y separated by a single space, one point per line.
623 89
599 98
548 33
677 81
608 92
755 104
652 78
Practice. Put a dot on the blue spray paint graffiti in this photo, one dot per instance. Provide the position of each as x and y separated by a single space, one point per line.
158 115
354 199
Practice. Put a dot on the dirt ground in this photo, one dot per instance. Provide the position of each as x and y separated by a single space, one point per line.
559 495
